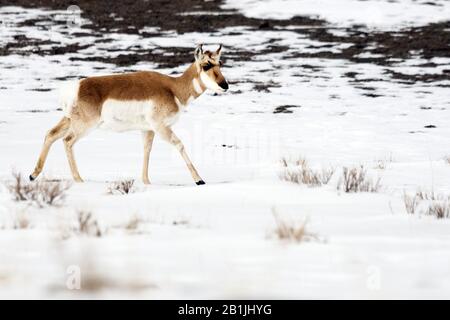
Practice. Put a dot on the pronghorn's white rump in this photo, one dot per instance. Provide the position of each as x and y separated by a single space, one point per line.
68 93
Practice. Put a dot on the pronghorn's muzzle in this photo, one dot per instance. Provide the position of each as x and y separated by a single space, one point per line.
224 85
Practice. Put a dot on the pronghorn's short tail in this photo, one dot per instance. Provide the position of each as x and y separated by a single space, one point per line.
68 94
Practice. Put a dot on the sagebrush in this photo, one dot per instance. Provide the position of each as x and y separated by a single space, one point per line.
21 221
355 179
290 230
41 193
87 224
298 171
427 203
122 187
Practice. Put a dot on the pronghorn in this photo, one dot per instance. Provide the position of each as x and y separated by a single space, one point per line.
146 101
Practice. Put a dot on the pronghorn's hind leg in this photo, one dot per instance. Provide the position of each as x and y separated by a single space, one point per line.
167 134
57 132
78 129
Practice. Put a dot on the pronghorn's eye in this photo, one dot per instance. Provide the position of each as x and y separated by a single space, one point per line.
208 66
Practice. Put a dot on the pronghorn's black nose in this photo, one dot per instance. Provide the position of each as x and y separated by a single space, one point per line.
224 85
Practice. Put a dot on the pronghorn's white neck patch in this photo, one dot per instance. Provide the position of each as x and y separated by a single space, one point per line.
190 99
209 83
180 104
197 87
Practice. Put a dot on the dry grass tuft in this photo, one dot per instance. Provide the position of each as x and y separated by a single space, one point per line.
87 224
40 193
447 159
356 180
21 221
298 171
327 174
122 187
411 203
291 230
299 162
427 203
134 223
439 209
425 195
380 164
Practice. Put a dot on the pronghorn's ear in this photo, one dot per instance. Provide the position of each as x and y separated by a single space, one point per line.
198 53
218 52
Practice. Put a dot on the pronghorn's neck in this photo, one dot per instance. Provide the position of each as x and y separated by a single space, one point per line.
189 85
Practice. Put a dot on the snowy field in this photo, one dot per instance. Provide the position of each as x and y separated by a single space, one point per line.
292 95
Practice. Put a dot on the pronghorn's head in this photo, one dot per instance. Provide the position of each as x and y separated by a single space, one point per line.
208 66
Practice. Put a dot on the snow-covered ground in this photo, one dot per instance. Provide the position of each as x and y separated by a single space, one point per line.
384 14
217 240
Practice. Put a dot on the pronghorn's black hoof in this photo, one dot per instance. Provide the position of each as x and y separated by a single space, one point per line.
199 183
32 178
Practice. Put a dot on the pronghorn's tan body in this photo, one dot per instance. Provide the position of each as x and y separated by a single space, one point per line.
146 101
133 101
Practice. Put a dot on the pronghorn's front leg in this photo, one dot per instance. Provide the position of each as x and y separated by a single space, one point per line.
167 134
147 136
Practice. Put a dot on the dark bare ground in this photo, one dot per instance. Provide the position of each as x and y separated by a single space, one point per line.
413 78
134 15
428 41
127 16
285 108
265 86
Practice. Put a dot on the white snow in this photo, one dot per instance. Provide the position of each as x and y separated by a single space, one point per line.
217 240
383 14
